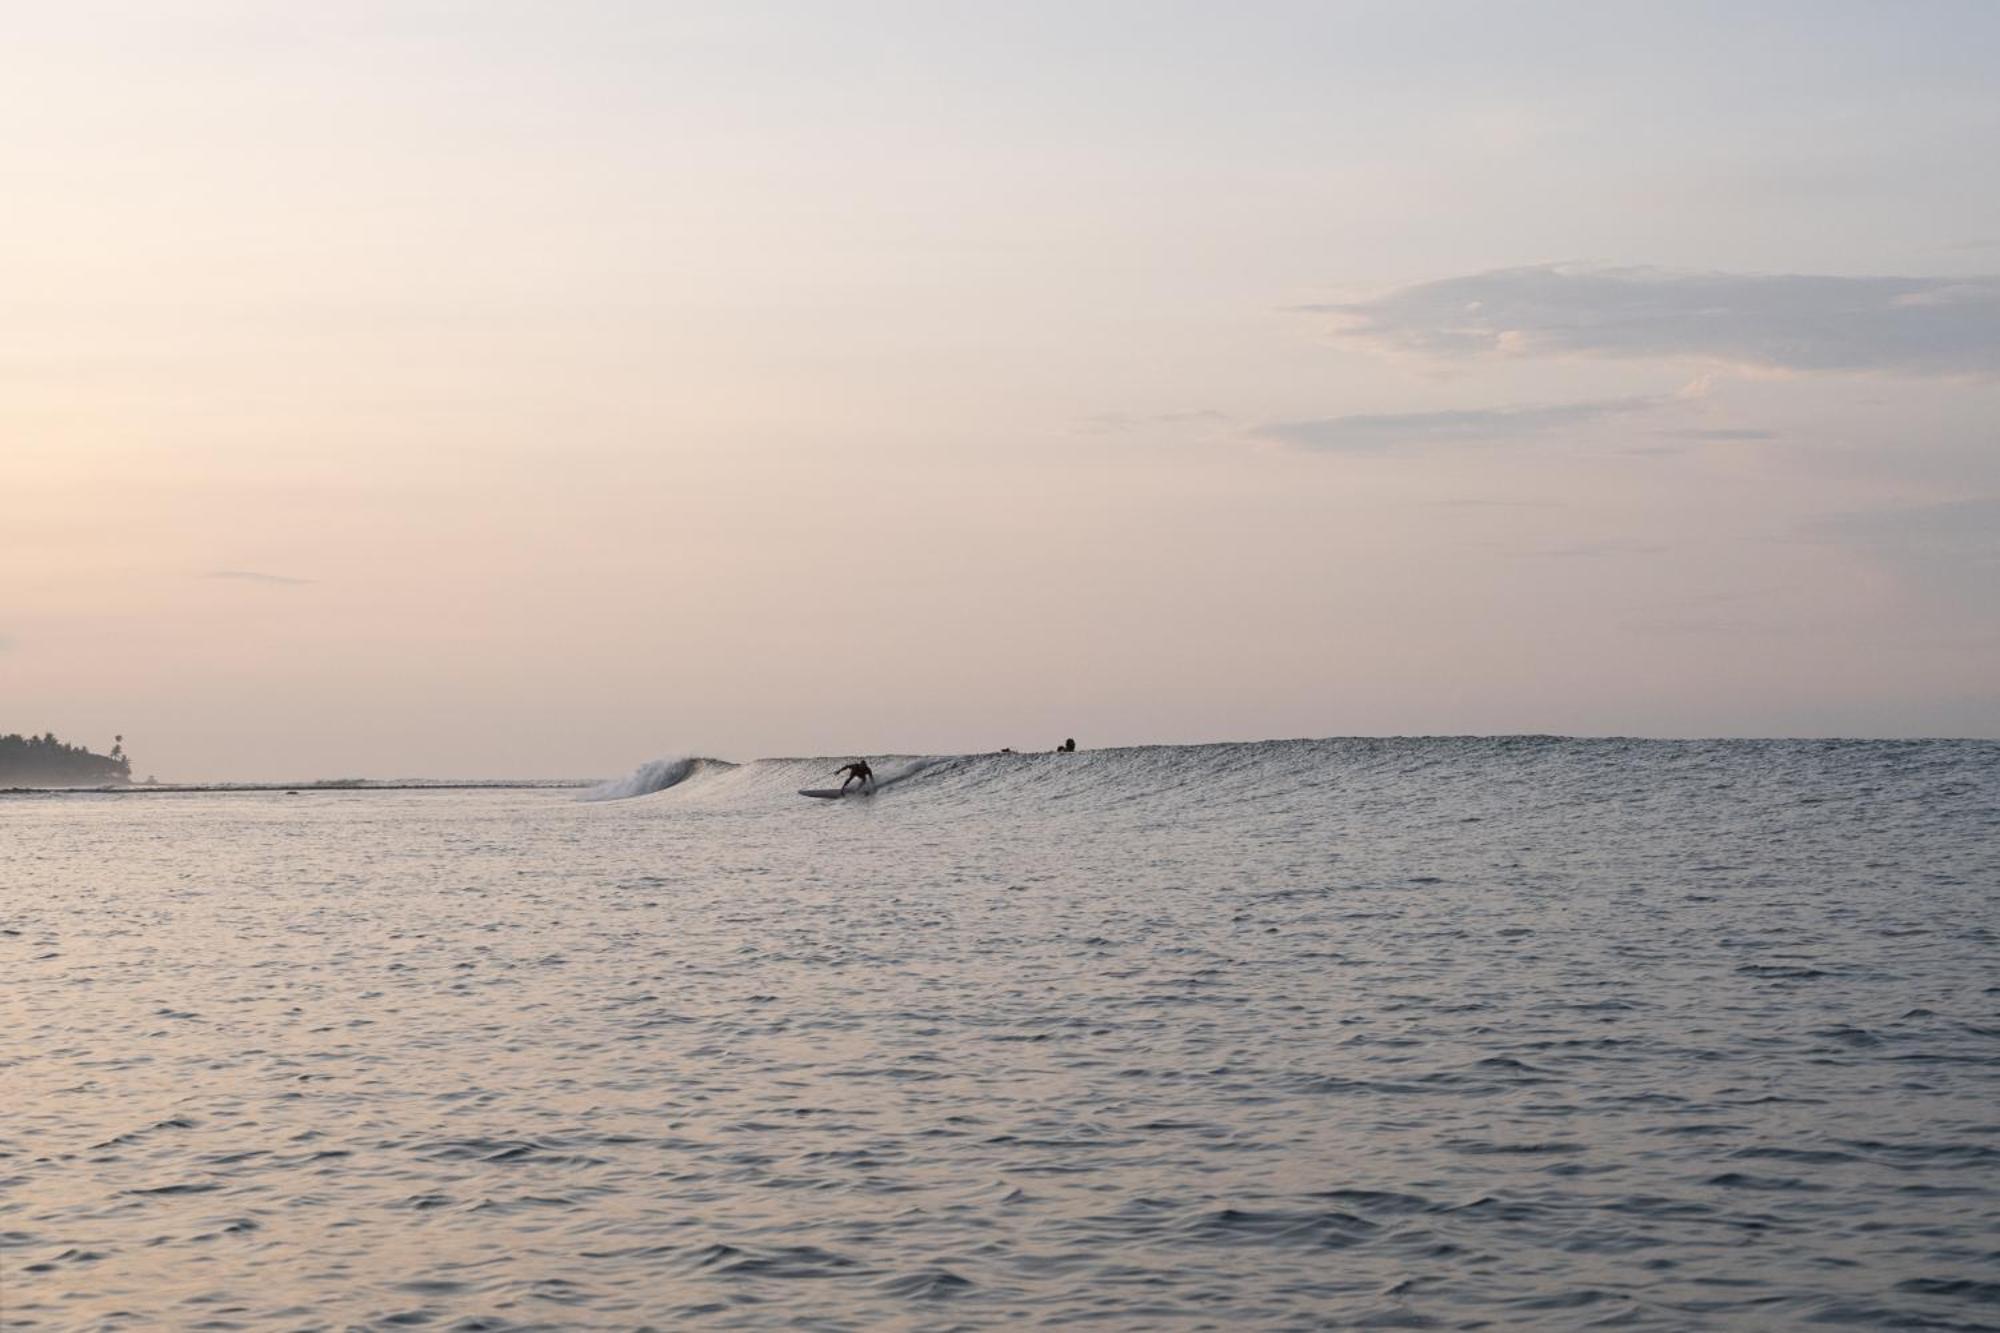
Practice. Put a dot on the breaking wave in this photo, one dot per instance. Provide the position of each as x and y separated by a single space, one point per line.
653 777
1454 776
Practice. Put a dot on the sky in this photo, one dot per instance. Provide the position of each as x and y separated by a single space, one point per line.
533 389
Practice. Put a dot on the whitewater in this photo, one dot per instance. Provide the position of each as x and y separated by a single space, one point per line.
1517 1032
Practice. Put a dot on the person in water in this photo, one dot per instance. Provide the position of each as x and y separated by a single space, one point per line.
858 771
1067 747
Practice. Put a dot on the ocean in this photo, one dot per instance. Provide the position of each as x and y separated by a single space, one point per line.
1441 1033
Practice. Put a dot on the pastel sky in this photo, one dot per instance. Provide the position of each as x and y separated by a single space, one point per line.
514 389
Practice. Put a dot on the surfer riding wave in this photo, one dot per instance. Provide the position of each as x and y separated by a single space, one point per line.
858 771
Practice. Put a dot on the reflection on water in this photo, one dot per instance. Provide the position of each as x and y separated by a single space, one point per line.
1416 1034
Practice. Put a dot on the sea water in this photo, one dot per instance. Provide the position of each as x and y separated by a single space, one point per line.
1512 1033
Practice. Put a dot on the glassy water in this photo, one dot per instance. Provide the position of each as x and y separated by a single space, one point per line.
1424 1034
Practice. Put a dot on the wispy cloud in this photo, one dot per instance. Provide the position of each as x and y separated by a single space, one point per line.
1378 432
1781 322
253 576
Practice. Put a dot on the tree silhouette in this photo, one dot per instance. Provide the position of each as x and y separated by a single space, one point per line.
44 761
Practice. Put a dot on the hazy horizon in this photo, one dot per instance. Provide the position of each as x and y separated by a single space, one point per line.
422 390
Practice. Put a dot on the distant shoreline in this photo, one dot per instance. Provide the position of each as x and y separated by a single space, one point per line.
301 788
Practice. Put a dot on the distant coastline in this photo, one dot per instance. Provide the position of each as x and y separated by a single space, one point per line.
44 761
329 786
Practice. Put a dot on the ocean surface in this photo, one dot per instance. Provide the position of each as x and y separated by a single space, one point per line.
1500 1033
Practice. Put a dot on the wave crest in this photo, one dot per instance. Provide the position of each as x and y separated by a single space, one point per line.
646 779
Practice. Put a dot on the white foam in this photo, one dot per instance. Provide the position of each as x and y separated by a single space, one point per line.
648 778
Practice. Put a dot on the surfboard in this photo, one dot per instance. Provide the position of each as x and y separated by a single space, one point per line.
835 793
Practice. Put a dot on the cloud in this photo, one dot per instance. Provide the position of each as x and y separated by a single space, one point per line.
1379 432
1782 322
253 576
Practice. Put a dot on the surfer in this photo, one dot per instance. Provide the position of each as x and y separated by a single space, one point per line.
1067 747
858 771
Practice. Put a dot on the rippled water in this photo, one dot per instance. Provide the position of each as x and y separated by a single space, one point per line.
1412 1034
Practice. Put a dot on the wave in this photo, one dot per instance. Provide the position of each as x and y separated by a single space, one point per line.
688 775
1418 772
653 777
